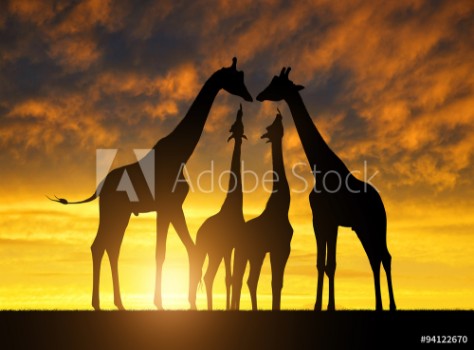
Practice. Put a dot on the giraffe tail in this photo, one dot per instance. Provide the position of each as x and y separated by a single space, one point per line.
65 201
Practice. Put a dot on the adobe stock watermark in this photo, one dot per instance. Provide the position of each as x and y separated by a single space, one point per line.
333 181
210 181
146 162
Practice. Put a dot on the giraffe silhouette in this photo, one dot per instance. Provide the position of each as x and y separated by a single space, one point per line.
355 204
271 232
170 187
216 237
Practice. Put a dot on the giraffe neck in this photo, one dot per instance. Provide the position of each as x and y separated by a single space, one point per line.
320 157
234 193
280 183
279 201
184 138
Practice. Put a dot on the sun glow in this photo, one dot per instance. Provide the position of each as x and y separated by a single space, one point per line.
49 265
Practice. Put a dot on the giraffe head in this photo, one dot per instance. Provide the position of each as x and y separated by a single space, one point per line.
237 129
279 87
274 131
232 81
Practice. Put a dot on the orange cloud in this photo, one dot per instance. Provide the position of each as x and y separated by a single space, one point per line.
181 83
67 29
83 17
409 94
46 123
75 53
220 118
161 109
400 81
37 12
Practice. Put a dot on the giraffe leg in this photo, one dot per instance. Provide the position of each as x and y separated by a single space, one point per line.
375 264
320 263
113 259
113 250
196 268
228 277
331 264
213 266
387 262
278 263
97 250
112 225
256 263
162 226
240 263
179 222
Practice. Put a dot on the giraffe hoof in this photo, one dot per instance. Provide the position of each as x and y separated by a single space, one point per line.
96 306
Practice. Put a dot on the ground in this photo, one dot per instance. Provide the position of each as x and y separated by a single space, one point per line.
228 330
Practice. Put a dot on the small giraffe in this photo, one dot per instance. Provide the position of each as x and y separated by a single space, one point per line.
170 187
356 204
271 232
216 237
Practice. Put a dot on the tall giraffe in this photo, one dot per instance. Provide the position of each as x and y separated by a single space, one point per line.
339 199
170 187
217 235
271 232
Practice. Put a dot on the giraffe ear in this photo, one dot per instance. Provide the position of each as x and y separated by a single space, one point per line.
299 87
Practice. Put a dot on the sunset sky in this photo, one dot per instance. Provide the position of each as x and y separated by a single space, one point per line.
389 84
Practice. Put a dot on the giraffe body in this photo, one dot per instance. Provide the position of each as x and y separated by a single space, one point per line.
271 232
355 204
170 187
216 238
